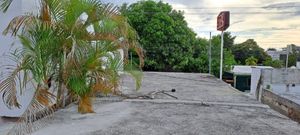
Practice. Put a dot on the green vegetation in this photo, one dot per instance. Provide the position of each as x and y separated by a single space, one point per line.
229 59
247 49
169 43
293 55
251 61
63 52
273 63
163 33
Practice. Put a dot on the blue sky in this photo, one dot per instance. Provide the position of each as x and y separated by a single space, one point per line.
272 23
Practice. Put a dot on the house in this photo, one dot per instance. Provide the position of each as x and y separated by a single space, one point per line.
240 77
282 53
277 54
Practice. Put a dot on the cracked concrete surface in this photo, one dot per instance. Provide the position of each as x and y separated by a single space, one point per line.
206 106
180 119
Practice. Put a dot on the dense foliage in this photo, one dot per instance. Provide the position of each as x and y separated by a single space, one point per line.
247 49
294 55
164 35
169 43
228 58
273 63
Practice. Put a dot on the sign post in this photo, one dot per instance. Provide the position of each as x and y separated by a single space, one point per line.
223 22
221 60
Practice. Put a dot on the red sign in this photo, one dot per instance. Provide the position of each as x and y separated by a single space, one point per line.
223 21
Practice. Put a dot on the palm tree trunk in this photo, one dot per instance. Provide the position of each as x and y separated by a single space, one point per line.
85 105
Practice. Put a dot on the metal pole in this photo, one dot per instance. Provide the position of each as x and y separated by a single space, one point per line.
287 57
286 68
221 60
209 52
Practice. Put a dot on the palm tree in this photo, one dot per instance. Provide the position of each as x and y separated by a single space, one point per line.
71 47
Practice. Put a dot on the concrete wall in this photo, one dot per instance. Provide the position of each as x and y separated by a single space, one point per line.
276 80
18 7
255 76
281 104
281 76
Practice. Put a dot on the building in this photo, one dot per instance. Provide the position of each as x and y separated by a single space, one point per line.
277 55
279 88
282 53
278 80
240 77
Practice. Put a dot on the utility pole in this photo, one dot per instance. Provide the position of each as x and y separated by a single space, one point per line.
209 53
286 68
287 57
221 60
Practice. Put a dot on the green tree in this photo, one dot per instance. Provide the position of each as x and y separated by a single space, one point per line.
273 63
228 40
251 61
247 49
294 55
164 34
199 61
292 59
228 57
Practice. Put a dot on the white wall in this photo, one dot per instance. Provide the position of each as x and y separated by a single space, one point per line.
5 47
255 75
278 79
298 64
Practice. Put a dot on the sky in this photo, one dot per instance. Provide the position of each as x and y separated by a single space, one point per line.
272 23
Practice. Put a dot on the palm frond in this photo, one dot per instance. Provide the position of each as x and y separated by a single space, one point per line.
130 37
5 5
102 85
102 36
8 87
100 11
56 9
17 23
45 13
37 113
136 73
113 66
